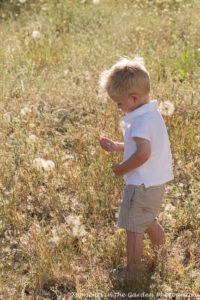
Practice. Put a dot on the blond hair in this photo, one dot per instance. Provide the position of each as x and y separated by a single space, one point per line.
125 77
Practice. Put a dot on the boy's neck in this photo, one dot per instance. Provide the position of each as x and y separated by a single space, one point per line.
143 100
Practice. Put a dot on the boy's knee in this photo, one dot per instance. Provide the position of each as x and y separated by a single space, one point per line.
153 227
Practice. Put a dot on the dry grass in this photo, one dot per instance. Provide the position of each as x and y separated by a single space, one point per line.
58 228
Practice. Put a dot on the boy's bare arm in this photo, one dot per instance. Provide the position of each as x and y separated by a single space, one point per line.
137 159
110 145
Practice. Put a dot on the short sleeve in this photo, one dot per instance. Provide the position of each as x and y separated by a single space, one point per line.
141 127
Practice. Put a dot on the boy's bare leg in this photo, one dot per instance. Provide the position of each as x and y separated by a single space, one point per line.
157 237
134 250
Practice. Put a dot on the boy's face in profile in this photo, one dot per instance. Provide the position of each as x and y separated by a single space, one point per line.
127 103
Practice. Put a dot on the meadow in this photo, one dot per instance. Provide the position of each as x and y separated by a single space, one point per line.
59 199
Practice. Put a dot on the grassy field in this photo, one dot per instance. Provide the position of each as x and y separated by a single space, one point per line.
59 200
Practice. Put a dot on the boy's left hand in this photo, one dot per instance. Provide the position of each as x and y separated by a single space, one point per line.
117 169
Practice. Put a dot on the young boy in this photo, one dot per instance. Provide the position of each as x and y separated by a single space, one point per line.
147 161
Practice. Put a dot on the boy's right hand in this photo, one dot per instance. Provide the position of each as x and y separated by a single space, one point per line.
108 144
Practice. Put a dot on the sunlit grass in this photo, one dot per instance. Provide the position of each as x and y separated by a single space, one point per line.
59 199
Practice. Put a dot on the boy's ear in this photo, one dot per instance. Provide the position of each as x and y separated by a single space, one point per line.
134 96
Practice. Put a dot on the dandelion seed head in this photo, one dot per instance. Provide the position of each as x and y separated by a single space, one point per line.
66 164
49 165
188 233
68 157
24 240
35 34
26 110
72 220
169 207
166 108
102 95
168 216
36 226
40 163
65 72
77 228
31 138
55 240
7 117
79 231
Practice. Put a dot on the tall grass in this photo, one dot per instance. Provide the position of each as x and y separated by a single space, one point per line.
58 231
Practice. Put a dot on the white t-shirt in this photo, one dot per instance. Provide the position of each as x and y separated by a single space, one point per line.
146 122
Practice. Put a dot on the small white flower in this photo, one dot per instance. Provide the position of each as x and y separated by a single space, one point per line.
25 110
96 1
22 1
198 49
40 163
166 108
35 34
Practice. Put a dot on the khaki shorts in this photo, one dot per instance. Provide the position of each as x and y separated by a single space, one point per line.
140 206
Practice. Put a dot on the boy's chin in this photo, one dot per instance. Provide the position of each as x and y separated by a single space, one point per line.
126 112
